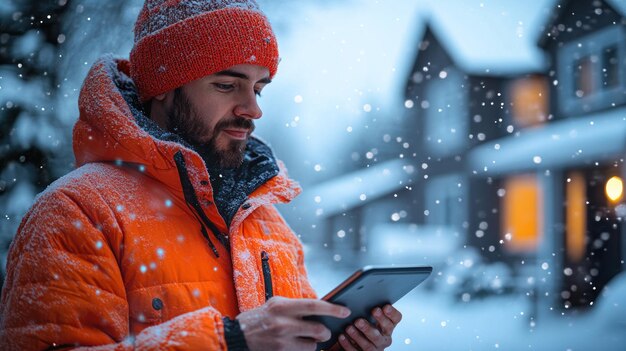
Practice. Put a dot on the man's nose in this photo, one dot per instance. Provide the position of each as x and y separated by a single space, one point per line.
248 107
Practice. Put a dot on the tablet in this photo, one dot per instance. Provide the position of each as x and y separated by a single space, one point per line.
367 288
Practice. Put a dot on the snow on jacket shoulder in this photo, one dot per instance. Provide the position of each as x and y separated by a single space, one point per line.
113 255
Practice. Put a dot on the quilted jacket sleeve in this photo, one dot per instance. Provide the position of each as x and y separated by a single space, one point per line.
64 288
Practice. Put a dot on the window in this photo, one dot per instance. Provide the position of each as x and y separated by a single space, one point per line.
521 213
529 99
585 73
590 76
576 216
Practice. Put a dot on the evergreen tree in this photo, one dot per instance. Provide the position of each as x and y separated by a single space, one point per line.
31 136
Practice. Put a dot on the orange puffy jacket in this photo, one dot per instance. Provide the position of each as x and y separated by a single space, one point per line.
117 253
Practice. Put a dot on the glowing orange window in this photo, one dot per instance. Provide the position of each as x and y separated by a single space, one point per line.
529 100
521 213
576 216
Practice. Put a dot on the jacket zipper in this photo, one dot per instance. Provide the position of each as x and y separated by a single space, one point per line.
192 201
267 275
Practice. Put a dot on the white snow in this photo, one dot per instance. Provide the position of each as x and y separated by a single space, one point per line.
346 192
558 144
433 320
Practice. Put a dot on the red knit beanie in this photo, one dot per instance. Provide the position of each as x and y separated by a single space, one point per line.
179 41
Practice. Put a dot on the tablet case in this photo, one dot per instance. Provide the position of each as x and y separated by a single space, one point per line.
367 288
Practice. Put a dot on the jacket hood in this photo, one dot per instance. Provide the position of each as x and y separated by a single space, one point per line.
113 128
107 130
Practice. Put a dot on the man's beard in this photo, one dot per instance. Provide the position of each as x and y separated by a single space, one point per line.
185 121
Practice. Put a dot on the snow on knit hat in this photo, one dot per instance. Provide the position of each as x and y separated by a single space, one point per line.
179 41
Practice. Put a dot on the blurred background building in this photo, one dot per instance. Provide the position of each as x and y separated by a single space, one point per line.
525 159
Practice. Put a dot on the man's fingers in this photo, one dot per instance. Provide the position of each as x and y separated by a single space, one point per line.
373 334
392 313
359 339
311 330
345 343
306 307
300 344
292 327
385 324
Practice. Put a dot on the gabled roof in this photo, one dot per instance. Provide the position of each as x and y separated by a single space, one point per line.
493 40
619 6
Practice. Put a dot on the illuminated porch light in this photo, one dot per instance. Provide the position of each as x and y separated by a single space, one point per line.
614 188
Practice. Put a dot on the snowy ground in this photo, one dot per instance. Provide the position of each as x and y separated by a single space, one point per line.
433 322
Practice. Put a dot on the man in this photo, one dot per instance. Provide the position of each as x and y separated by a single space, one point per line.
166 236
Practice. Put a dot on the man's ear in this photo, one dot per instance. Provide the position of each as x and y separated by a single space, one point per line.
160 97
159 107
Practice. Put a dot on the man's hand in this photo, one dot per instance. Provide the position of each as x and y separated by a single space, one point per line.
278 324
362 335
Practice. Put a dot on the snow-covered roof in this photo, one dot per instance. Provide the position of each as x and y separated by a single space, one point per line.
491 38
557 13
598 137
356 189
619 5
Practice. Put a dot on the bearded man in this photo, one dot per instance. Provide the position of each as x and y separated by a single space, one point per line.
166 236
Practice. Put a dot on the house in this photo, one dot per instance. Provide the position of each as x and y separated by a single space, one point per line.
564 174
526 157
455 103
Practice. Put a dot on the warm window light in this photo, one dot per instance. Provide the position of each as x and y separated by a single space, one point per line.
522 213
614 188
576 216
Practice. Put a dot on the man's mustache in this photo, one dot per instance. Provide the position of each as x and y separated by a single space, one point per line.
237 122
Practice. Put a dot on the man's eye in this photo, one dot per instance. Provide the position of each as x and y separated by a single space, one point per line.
221 86
258 93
